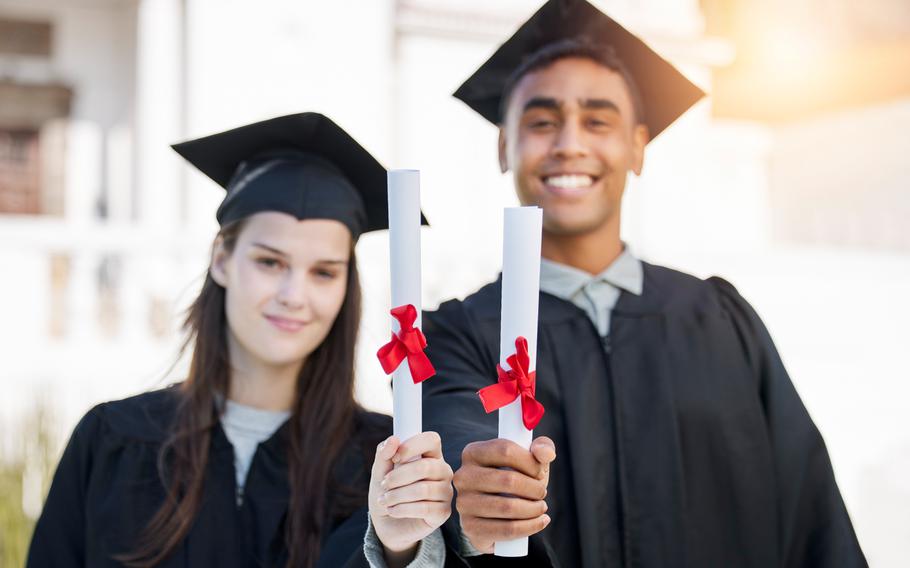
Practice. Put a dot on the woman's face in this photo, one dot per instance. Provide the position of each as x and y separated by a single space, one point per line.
285 282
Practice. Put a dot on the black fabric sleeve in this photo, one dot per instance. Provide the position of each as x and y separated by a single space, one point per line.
463 365
59 539
815 529
460 349
344 545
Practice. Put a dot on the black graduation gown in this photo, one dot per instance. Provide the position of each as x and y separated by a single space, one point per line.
683 443
107 487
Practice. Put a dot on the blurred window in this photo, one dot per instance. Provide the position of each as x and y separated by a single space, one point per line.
25 37
20 172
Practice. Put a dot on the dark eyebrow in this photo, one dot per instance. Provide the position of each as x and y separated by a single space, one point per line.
549 103
542 102
271 249
598 104
341 262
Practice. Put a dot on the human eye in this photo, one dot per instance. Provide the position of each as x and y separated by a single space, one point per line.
599 123
270 263
326 274
540 121
542 124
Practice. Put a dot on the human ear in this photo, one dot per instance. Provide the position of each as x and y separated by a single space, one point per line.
503 159
219 258
640 139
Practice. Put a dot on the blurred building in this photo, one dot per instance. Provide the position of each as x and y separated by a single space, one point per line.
791 180
92 240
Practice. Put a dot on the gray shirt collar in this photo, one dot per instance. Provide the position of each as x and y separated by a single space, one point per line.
564 281
595 294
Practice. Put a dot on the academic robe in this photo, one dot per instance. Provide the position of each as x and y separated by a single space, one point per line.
107 487
680 439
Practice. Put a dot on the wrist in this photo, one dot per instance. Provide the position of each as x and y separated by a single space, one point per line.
466 545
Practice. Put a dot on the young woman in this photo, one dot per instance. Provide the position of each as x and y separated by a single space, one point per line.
261 457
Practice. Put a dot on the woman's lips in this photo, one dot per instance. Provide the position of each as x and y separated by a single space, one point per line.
286 324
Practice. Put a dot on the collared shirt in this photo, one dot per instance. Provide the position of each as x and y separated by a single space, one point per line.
595 294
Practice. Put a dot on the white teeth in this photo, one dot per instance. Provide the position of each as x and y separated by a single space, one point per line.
569 181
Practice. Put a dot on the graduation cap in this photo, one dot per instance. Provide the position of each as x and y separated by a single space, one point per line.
665 92
301 164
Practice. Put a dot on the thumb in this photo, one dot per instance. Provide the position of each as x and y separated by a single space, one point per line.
382 464
544 451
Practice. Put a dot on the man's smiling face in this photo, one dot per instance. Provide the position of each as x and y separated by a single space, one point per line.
571 136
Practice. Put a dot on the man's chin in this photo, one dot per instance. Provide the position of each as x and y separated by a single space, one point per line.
567 228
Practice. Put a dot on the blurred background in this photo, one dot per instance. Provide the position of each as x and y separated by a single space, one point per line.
792 180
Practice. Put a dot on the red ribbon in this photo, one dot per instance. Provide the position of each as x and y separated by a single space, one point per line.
514 383
408 344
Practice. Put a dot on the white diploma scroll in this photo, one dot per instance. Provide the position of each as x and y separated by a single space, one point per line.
404 261
520 296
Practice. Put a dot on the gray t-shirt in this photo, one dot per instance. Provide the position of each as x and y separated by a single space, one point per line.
246 427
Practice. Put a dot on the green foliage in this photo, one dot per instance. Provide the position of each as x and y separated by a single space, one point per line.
15 526
24 480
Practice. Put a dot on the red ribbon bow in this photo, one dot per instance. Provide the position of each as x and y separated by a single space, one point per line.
408 344
515 382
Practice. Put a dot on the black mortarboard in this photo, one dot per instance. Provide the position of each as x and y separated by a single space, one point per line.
665 92
301 164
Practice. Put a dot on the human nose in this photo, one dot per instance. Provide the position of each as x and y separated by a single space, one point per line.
293 291
569 141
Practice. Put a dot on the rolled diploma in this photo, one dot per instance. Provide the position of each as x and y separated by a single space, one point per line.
404 261
520 297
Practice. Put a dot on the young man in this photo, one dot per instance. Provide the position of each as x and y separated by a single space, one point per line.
672 435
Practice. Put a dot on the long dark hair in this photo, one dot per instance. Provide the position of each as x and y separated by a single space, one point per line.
322 422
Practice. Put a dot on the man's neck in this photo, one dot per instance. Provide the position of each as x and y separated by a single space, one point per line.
592 252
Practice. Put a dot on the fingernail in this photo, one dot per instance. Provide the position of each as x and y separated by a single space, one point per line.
396 458
546 520
381 499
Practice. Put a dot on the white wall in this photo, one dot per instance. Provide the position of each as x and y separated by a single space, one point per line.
92 52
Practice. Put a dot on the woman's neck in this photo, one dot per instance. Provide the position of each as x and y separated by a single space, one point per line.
261 386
